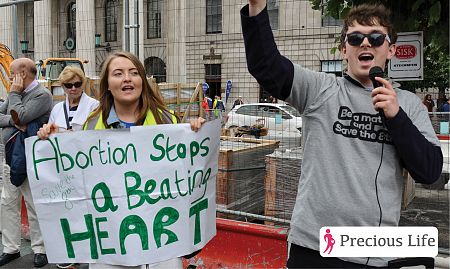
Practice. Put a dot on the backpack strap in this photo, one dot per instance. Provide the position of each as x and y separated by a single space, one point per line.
69 127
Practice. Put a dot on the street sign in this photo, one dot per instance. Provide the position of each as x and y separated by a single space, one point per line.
407 64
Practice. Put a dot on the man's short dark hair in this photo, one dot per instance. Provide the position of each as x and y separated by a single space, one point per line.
369 15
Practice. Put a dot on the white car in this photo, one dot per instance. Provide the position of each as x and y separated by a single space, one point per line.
278 118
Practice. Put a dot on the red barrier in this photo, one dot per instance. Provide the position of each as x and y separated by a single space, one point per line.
24 227
243 245
443 137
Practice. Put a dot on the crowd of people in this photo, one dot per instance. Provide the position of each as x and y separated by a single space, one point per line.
328 190
442 104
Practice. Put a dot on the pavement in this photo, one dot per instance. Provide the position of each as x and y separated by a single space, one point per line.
26 259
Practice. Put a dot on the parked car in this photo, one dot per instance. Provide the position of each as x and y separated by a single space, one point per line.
278 118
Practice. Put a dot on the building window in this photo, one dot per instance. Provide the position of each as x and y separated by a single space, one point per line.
272 9
213 76
111 17
155 67
71 20
29 24
153 18
334 67
213 16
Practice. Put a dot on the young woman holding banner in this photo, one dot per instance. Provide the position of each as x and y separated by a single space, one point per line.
127 99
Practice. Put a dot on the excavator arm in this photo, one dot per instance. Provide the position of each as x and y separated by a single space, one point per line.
5 60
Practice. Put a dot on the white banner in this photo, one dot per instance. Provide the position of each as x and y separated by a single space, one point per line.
378 241
131 197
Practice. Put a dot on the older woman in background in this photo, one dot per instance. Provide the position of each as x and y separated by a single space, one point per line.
73 112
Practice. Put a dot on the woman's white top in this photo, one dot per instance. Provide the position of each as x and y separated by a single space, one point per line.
85 107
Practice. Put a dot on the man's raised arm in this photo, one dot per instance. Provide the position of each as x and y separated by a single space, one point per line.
273 71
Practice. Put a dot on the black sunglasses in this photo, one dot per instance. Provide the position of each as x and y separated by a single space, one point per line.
70 85
375 39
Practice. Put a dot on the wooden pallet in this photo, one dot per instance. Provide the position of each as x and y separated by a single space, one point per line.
281 185
184 99
240 180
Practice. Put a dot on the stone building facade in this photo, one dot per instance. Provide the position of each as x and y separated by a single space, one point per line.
177 40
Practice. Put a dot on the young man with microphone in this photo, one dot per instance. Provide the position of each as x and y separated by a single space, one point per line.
359 182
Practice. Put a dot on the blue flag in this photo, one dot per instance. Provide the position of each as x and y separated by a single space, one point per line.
205 87
228 90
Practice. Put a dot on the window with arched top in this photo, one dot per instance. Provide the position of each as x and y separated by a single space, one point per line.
111 17
71 20
155 67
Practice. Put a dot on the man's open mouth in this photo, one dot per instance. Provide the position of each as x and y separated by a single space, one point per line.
365 57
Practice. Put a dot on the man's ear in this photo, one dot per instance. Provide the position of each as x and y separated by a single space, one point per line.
391 52
344 52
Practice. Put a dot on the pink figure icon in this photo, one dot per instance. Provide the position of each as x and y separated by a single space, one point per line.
330 241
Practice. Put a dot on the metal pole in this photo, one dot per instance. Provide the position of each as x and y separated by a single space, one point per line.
250 215
136 24
127 25
15 32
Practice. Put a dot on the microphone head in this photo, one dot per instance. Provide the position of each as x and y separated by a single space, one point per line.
376 71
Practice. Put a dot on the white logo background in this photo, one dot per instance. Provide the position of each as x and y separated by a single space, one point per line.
380 241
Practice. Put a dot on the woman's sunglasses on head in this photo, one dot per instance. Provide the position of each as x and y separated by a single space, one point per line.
70 85
375 39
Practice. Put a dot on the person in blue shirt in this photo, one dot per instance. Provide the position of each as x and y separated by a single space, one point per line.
446 106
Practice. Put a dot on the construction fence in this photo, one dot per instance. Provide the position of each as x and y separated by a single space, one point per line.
258 181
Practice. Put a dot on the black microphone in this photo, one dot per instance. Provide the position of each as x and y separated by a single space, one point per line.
374 72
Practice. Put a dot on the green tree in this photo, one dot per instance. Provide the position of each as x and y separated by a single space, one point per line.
429 16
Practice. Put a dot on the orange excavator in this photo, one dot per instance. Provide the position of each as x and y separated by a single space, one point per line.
48 71
5 60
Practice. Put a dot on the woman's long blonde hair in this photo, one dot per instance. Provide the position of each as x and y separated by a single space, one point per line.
150 99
